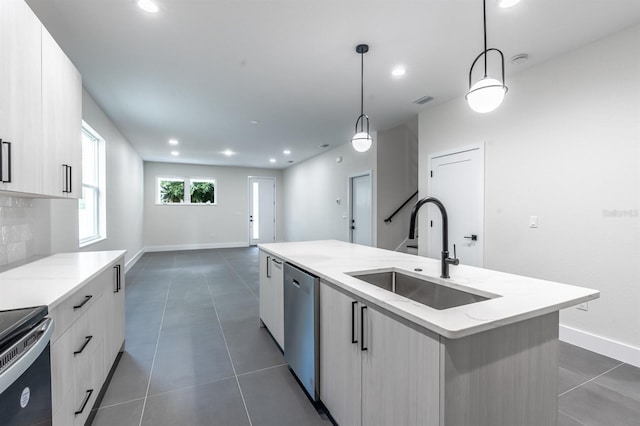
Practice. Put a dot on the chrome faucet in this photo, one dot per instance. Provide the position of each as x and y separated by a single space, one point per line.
444 255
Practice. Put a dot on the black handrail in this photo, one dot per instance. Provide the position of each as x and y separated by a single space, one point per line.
400 208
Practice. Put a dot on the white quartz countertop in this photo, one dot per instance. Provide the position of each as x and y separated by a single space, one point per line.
49 281
515 298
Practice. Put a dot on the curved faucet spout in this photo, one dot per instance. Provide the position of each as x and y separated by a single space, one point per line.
446 260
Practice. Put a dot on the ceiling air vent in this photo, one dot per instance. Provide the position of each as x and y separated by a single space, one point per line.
423 100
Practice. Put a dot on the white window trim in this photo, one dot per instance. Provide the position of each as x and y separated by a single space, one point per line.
101 190
187 190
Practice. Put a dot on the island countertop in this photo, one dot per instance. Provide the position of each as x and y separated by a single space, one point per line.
51 280
513 298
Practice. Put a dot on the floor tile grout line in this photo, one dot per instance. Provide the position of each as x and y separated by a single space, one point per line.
590 380
240 277
146 395
262 369
121 403
571 417
233 367
195 385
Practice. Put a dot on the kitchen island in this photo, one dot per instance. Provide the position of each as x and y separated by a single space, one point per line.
389 359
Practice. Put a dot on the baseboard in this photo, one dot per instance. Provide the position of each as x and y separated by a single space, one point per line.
179 247
616 350
134 259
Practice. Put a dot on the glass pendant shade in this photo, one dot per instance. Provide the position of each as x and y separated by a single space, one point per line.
486 95
361 141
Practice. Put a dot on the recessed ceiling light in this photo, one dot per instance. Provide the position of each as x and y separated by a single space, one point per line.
272 160
148 6
173 142
286 152
254 122
228 152
398 71
507 3
175 153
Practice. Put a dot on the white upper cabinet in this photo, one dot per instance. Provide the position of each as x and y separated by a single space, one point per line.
61 121
20 98
40 109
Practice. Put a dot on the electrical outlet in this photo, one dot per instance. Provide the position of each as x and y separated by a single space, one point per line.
583 306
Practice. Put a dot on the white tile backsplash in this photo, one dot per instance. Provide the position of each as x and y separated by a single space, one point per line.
17 224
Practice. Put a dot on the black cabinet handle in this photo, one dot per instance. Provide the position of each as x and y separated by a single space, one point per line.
84 345
84 302
268 270
87 397
472 237
118 282
67 179
70 179
274 260
2 179
353 322
362 346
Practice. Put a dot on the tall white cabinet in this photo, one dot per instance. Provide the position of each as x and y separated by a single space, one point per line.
272 296
40 109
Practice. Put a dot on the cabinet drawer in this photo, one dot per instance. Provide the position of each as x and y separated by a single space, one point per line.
67 312
77 367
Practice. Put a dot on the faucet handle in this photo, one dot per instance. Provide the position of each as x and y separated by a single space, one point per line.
455 260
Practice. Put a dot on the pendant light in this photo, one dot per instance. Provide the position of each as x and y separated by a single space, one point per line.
487 93
362 140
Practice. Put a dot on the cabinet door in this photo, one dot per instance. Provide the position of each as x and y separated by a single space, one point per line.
61 121
400 373
340 381
277 298
114 313
21 91
266 294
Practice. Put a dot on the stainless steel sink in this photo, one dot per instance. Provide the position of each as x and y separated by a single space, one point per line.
422 291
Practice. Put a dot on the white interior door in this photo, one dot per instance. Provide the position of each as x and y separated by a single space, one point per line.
262 210
457 179
361 214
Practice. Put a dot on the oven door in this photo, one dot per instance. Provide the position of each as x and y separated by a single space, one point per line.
25 379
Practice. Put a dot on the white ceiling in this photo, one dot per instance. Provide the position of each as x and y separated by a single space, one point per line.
201 70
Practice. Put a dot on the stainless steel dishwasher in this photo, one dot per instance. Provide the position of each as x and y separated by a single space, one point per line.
302 327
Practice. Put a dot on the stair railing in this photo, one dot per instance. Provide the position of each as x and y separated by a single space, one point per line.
400 208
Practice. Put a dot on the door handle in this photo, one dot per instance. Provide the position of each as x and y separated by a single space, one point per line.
472 237
295 283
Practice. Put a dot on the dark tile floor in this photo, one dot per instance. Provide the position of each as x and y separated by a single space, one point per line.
195 355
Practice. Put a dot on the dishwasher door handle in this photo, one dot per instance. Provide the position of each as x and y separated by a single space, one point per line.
295 283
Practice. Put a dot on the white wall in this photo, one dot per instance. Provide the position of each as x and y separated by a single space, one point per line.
564 146
397 167
124 194
312 187
186 226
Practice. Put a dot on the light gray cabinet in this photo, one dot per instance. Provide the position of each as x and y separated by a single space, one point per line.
40 109
272 296
61 121
374 369
88 336
20 98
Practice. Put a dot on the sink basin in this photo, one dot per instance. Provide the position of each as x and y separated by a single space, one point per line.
422 291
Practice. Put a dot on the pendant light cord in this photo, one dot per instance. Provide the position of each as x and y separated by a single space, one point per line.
484 16
361 89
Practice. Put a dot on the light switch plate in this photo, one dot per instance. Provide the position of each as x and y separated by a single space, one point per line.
533 221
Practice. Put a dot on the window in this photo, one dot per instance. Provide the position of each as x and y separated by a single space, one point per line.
91 208
173 190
